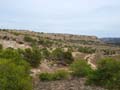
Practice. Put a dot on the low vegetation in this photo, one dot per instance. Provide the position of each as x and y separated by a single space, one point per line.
55 50
108 52
45 42
10 53
14 71
107 75
62 57
80 68
30 40
45 53
1 47
58 75
86 50
16 75
32 56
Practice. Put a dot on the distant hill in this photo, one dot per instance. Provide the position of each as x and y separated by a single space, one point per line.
27 38
17 39
115 41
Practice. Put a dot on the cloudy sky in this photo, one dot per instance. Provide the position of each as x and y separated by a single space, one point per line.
89 17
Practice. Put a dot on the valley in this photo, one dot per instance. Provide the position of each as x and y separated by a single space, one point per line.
53 52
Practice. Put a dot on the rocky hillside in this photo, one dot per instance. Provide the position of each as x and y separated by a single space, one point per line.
26 39
17 37
52 54
78 44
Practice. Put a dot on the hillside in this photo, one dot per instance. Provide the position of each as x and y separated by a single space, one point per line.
81 46
17 39
51 55
67 39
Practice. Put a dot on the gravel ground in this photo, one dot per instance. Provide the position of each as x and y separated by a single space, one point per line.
73 84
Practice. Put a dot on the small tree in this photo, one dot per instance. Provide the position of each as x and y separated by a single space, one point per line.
33 42
68 57
14 76
33 56
62 57
45 53
107 75
58 54
10 54
80 68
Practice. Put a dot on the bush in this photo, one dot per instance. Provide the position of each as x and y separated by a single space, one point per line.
108 52
80 68
62 57
46 76
10 54
68 57
14 76
45 53
58 54
61 74
45 42
1 46
32 56
86 50
107 75
14 71
29 39
58 75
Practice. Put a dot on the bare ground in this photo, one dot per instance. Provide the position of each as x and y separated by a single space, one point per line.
72 84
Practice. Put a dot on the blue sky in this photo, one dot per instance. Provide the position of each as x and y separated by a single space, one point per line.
87 17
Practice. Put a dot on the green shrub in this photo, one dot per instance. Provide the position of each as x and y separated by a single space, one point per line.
58 75
14 71
1 46
28 39
108 52
32 56
10 54
61 74
86 50
80 68
45 42
58 54
15 33
45 53
33 42
46 76
14 76
68 57
62 57
107 75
